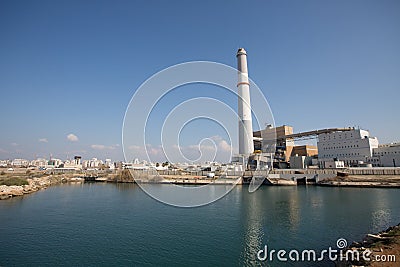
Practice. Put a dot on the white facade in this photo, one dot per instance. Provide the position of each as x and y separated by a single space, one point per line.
39 162
73 164
109 164
20 163
4 163
92 163
338 164
386 155
351 147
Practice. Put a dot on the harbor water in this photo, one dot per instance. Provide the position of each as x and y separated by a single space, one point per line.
102 224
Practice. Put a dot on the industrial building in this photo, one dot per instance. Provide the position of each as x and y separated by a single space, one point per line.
277 140
336 148
354 147
304 150
387 155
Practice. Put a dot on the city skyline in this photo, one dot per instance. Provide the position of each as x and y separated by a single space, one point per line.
69 69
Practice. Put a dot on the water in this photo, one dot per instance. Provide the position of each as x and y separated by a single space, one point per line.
118 224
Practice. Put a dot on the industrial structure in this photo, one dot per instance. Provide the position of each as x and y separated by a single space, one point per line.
336 148
275 146
387 155
246 146
354 147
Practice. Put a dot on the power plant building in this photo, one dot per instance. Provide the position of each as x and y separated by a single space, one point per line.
354 147
336 147
276 137
387 155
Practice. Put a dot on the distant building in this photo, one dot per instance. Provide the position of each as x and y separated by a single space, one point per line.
39 162
93 163
4 163
75 164
54 163
109 164
387 155
20 163
352 147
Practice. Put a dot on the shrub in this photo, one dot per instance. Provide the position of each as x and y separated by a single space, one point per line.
14 181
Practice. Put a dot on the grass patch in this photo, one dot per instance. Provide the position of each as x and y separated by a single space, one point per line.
13 181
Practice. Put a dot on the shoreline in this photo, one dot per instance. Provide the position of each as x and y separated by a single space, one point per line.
384 247
38 181
34 184
362 181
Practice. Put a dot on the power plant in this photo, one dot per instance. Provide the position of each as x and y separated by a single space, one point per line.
274 147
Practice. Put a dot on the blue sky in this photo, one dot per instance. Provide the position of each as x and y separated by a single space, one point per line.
71 67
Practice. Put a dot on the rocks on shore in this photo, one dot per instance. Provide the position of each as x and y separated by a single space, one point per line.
387 241
34 184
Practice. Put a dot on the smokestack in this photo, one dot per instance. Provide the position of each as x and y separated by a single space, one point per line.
246 146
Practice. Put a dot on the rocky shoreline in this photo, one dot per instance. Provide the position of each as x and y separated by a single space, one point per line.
384 248
34 184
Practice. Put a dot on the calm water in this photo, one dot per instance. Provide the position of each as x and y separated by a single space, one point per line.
118 224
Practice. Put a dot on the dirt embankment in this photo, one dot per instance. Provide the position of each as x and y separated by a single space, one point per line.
363 181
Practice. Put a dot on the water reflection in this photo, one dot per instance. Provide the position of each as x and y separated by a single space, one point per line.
380 214
254 212
293 209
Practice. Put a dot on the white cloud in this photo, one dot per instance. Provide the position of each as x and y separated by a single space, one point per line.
150 149
98 147
216 138
199 147
43 140
223 145
102 147
73 138
14 144
215 148
155 151
134 147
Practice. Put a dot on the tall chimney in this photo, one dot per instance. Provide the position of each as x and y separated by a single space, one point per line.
246 146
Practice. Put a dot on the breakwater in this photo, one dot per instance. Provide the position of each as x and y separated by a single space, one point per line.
34 184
